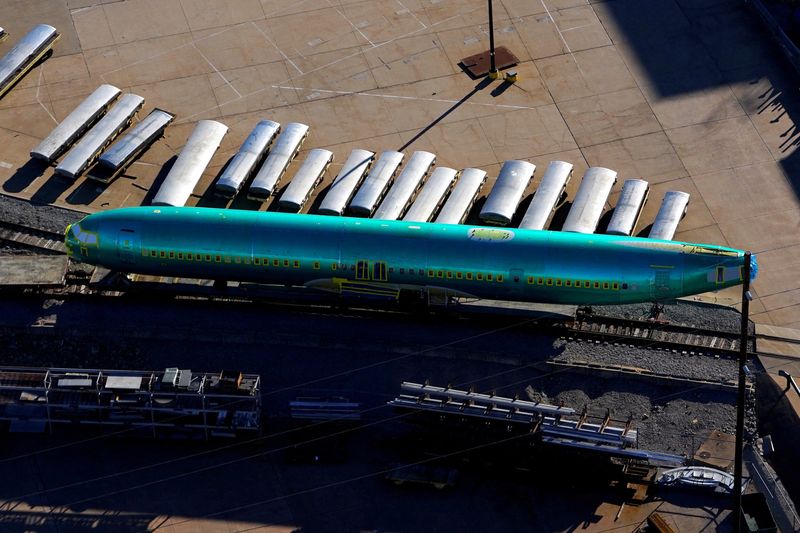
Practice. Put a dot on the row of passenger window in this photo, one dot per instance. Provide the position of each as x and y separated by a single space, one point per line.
441 274
576 283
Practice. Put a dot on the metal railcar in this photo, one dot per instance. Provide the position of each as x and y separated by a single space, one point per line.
346 182
25 54
376 183
283 151
120 154
246 159
587 207
405 186
77 122
308 176
86 151
388 258
672 210
192 161
552 187
507 192
629 207
3 34
432 195
462 197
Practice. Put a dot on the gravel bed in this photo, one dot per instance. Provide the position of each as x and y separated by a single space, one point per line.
45 217
685 313
663 362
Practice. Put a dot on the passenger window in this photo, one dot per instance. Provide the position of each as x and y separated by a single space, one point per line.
227 259
391 270
488 277
558 282
218 258
286 263
530 280
333 266
162 254
615 286
421 272
624 286
190 256
275 262
568 283
144 252
237 260
316 265
257 261
246 260
153 253
605 285
440 274
459 275
500 278
171 254
430 273
587 285
402 270
549 281
540 281
577 284
208 258
449 274
469 276
296 263
479 276
180 255
596 284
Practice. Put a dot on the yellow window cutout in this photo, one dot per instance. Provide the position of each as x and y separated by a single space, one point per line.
334 266
469 276
430 273
144 252
237 260
596 284
459 275
499 278
276 262
190 256
257 261
180 255
227 259
540 281
549 281
286 262
218 258
246 260
568 283
558 282
153 253
162 254
530 280
605 285
316 265
615 286
208 258
449 275
440 274
489 277
479 276
296 264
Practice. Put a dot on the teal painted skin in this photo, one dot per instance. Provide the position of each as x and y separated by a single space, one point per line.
380 258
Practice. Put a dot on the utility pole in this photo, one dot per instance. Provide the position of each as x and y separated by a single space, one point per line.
493 73
737 466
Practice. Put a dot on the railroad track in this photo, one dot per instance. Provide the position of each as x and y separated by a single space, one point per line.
38 239
669 336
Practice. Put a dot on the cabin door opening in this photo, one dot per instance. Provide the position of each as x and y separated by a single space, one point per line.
128 245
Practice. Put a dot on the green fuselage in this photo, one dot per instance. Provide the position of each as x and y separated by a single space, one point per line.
380 258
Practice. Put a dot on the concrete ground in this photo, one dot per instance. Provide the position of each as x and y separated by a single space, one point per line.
689 95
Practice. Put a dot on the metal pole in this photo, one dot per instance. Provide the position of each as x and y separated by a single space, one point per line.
737 466
493 74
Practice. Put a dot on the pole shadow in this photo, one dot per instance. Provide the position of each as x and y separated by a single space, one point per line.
485 82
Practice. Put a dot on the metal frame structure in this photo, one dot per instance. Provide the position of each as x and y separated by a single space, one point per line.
107 128
629 207
33 46
432 195
192 161
375 184
548 193
587 207
246 159
122 153
307 178
346 182
169 402
284 150
76 123
405 186
458 204
502 202
672 210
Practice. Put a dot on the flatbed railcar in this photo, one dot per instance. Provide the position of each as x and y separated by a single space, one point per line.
286 147
548 193
432 195
672 210
307 178
587 207
502 202
375 184
629 207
